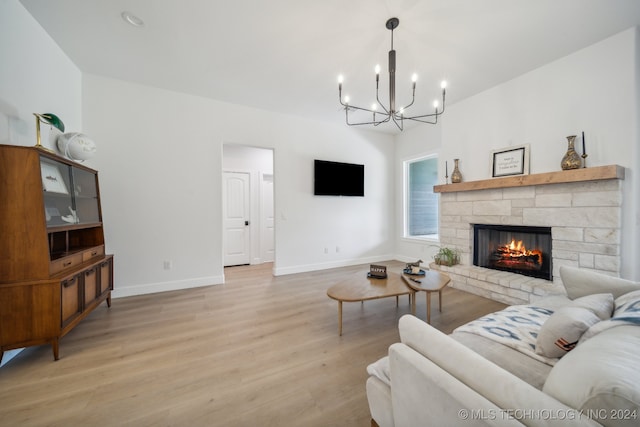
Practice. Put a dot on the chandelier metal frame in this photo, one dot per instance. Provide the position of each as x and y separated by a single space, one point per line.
390 113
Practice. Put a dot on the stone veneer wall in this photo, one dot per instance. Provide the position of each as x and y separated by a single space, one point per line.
585 221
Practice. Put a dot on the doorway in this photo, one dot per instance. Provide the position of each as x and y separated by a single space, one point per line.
247 205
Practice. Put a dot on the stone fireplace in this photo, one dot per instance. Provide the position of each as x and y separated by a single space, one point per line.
581 208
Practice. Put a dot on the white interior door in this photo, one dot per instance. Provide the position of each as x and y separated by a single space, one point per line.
237 236
267 221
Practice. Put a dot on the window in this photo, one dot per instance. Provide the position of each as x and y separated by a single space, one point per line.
421 203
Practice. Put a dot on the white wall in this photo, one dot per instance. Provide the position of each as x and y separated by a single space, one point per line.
589 90
242 158
593 90
160 163
632 195
35 77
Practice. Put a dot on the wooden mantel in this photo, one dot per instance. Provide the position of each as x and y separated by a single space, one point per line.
575 175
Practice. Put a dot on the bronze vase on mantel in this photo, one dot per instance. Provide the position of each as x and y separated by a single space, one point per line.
571 159
456 176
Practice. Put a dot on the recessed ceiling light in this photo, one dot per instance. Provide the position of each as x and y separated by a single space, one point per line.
132 19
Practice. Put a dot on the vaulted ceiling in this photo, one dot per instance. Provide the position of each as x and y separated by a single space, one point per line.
285 55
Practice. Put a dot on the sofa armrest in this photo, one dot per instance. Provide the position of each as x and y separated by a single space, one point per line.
379 398
423 394
498 386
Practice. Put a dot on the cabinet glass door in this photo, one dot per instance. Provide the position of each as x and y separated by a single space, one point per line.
56 186
85 190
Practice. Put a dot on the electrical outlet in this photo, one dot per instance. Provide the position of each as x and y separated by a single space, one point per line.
168 265
337 249
326 250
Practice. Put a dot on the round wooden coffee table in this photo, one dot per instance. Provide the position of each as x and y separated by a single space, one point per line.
432 281
358 288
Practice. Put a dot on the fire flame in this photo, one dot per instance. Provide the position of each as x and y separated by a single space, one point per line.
518 250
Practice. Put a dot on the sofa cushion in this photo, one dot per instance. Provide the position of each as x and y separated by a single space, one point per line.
519 364
580 282
561 332
601 376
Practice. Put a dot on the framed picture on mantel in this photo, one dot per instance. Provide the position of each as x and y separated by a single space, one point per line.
510 161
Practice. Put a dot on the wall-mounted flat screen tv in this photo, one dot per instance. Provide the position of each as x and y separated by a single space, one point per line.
338 179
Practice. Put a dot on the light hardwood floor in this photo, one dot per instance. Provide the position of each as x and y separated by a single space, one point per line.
258 350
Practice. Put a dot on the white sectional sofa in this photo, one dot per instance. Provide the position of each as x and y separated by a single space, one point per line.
470 379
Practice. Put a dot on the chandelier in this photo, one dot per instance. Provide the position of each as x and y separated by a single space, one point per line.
391 113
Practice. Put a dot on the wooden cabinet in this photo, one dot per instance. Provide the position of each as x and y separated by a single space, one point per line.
53 266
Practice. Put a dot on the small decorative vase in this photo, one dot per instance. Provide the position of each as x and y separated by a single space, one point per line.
571 159
456 176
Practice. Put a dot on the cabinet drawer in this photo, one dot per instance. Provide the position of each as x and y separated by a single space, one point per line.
70 298
65 263
90 285
92 253
106 279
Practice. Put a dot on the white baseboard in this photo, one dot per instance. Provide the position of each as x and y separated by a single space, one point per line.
282 271
152 288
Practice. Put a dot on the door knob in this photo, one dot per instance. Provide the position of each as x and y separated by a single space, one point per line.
246 223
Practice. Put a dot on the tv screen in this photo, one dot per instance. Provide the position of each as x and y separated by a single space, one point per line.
338 179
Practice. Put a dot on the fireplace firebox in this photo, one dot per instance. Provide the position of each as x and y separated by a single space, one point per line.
518 249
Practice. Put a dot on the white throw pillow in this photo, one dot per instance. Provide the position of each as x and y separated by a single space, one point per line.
562 331
601 305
